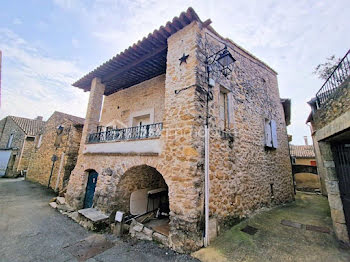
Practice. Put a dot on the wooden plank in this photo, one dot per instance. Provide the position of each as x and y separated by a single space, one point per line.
162 229
131 65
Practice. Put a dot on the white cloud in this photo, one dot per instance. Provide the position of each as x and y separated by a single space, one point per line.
33 84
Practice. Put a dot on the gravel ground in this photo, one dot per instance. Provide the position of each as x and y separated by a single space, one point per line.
32 231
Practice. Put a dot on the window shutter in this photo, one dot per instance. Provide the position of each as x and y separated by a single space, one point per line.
274 134
229 111
268 138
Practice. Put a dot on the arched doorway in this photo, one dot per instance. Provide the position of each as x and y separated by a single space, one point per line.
90 188
142 193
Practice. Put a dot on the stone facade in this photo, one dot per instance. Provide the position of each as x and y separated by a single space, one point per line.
330 124
145 98
64 145
242 171
23 131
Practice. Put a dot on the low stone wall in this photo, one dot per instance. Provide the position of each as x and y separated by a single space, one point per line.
338 104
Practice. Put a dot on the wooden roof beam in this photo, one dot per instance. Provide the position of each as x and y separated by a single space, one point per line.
109 77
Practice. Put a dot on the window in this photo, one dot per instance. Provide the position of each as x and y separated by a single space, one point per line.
99 129
223 110
39 140
9 142
271 134
293 160
141 120
109 128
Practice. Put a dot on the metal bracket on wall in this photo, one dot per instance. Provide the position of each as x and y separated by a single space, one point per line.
177 91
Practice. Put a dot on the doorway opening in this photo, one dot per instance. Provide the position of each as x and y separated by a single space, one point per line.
90 189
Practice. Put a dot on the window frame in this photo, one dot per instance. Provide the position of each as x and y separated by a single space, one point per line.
10 141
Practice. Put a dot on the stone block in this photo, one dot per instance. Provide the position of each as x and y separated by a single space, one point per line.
331 174
161 238
341 232
74 216
61 200
338 216
332 187
143 236
93 214
213 228
138 227
147 231
335 201
53 205
328 164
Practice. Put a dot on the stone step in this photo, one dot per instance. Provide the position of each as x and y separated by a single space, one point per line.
93 219
93 214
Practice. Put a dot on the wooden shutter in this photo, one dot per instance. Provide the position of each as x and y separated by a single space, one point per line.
268 138
274 134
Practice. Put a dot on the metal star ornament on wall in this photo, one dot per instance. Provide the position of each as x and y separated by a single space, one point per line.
183 59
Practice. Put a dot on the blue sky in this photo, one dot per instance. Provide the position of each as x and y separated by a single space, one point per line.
47 45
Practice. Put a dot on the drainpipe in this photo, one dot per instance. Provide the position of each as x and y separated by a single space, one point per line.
59 171
206 186
206 164
53 159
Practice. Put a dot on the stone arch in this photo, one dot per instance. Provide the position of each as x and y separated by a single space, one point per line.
136 178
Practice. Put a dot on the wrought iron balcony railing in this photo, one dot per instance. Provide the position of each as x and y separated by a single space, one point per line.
131 133
338 76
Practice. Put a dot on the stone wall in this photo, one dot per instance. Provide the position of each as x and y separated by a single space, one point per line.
338 104
146 97
64 146
26 154
329 123
241 169
8 127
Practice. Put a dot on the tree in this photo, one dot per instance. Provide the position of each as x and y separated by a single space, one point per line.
323 71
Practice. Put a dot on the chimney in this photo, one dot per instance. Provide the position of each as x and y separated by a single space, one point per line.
306 141
39 118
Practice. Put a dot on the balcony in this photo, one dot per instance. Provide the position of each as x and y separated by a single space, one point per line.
132 140
131 133
334 81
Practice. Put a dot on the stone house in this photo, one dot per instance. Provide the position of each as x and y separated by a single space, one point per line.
304 167
17 136
58 140
330 125
144 133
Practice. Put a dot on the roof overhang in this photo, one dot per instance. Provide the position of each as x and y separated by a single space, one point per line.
142 61
286 103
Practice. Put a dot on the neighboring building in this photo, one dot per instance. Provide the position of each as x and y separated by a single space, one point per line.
17 136
330 125
149 137
304 167
58 140
0 74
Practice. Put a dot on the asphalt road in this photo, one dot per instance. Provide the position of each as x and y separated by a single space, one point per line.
32 231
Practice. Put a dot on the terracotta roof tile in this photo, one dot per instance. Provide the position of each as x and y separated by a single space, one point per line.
31 127
302 151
